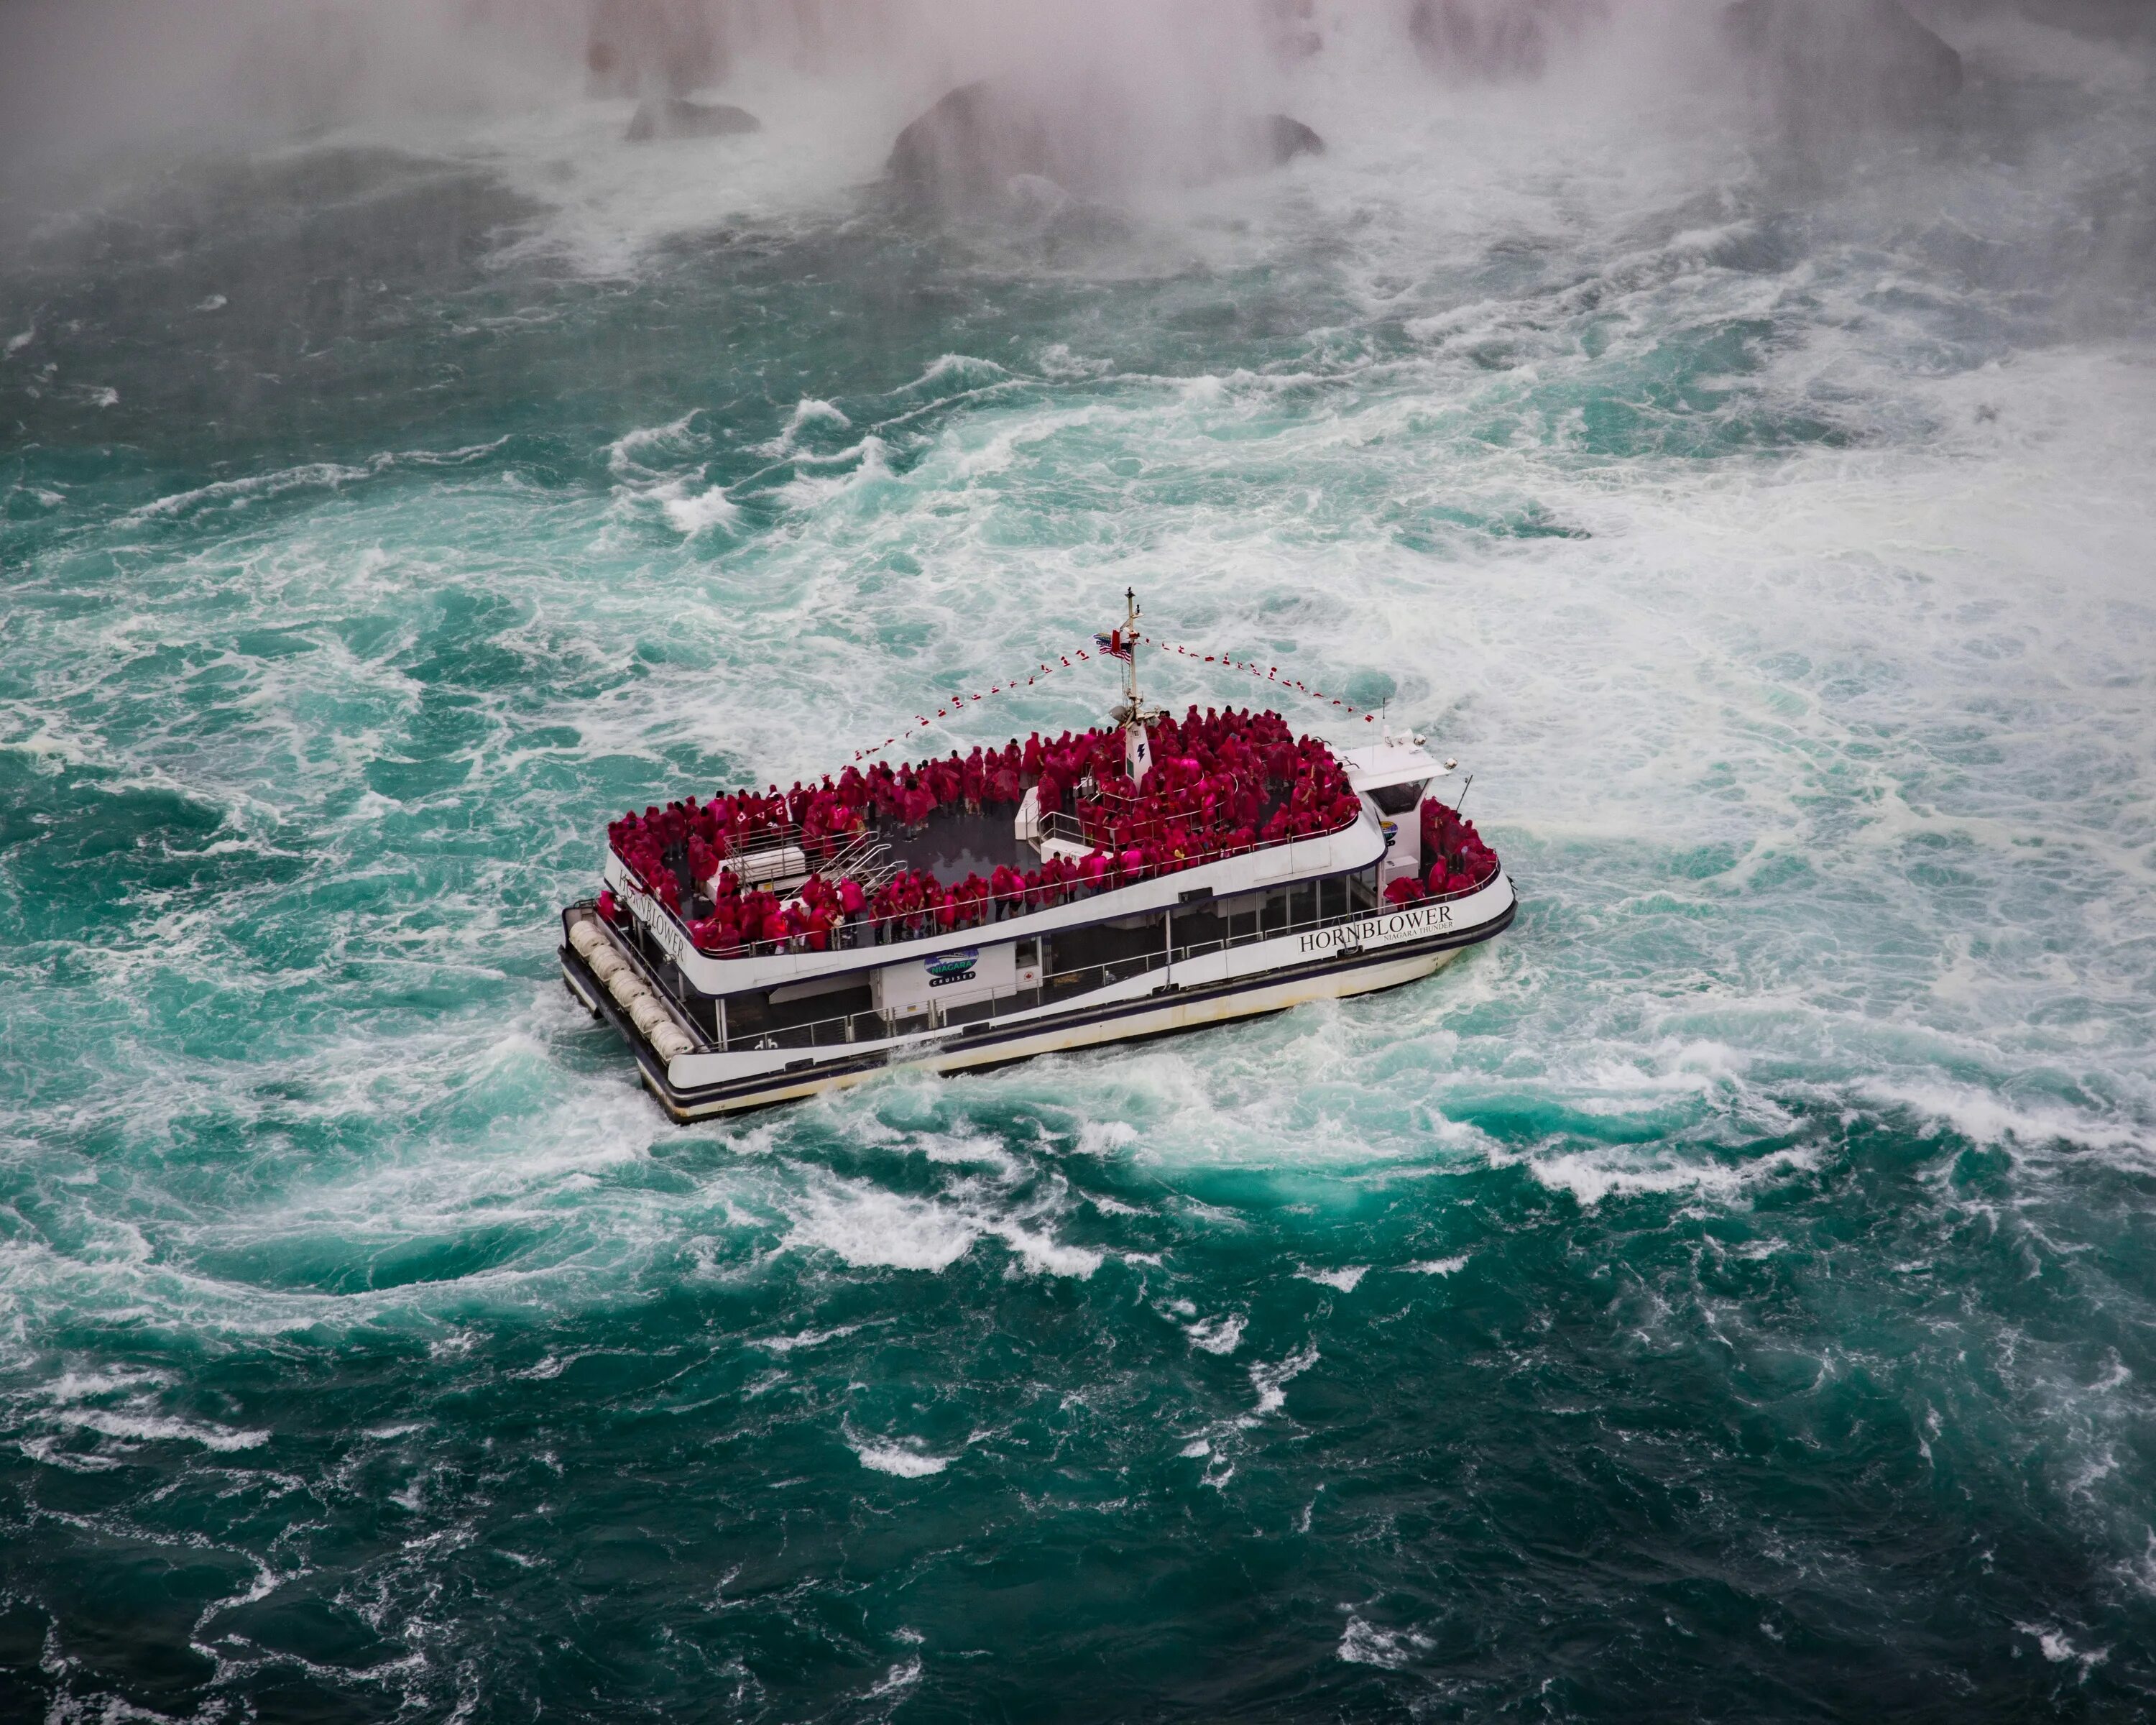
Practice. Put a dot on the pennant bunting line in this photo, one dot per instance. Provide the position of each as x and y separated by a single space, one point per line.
1267 674
954 704
959 703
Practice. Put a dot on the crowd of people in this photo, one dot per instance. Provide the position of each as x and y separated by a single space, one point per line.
1219 782
1458 859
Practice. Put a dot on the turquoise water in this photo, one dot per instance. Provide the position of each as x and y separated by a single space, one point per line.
1728 1295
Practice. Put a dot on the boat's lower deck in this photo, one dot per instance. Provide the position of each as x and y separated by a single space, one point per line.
1351 957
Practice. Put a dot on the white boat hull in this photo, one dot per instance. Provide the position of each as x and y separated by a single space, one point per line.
1087 1024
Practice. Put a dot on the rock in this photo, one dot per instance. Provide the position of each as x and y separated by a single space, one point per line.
982 140
673 117
967 148
1832 64
1278 140
2116 20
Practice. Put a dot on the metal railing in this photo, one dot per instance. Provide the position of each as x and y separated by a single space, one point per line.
894 928
872 1026
865 932
823 852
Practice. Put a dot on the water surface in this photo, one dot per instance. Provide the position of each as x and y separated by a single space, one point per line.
1727 1295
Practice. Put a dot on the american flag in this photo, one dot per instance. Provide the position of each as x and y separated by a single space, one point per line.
1113 645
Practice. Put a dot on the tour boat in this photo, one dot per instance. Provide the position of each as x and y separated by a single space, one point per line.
1152 876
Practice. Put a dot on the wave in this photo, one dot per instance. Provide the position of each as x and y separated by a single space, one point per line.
154 1428
902 1460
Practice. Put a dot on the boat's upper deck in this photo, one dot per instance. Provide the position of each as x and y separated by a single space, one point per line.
956 842
875 868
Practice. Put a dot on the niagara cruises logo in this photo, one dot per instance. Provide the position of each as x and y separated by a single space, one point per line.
951 966
1375 929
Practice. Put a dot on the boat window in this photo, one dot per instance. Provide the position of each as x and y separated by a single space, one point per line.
1109 942
1199 925
786 992
1398 799
746 1014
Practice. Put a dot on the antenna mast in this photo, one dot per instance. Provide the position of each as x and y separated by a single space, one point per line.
1131 651
1133 710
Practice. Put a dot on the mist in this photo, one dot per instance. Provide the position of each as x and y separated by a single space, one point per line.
1152 88
327 168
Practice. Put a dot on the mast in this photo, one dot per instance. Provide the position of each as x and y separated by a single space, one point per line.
1130 652
1131 710
1133 714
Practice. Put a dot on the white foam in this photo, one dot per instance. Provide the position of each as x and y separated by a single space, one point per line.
1591 1176
152 1428
691 513
646 451
238 494
609 201
2056 1646
1271 1381
1362 1643
73 1386
1439 1267
809 490
1105 1138
47 1450
1041 1255
867 1226
902 1459
1985 1117
806 1338
967 1149
1217 1335
808 412
900 1678
1346 1279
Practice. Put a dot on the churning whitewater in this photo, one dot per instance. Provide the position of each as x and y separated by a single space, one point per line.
1729 1294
